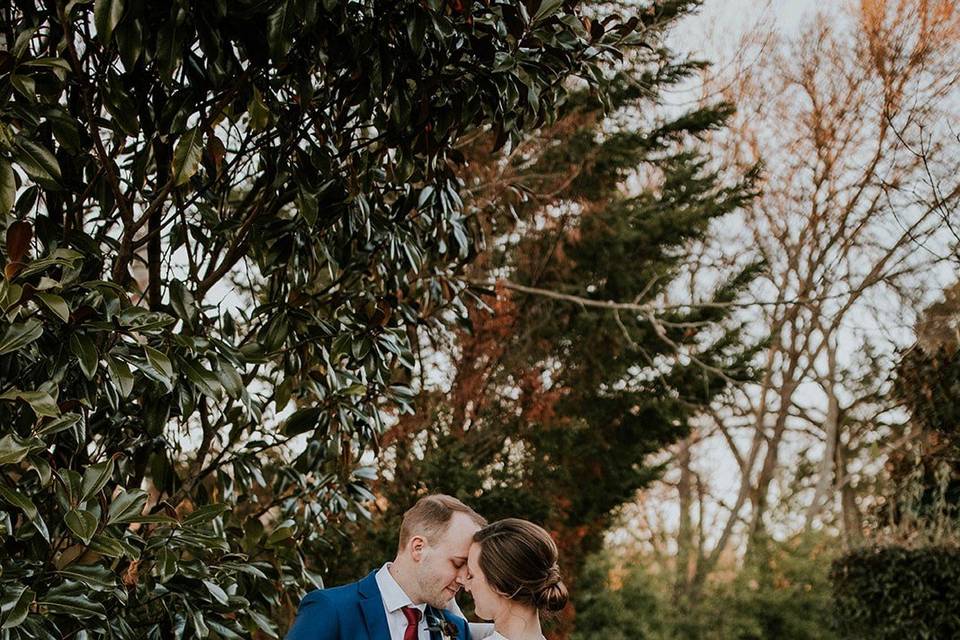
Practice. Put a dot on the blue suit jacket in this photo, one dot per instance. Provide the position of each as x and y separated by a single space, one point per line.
351 612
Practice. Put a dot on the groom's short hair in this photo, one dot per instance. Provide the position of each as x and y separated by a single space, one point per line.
430 517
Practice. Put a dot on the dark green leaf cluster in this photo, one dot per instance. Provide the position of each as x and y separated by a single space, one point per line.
215 213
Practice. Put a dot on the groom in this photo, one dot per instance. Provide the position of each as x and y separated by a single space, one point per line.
410 598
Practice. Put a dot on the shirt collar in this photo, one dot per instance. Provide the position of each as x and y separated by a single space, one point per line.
394 597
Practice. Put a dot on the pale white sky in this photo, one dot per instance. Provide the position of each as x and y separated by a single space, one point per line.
787 13
714 31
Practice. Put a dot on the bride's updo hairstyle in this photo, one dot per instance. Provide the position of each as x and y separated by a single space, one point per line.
519 560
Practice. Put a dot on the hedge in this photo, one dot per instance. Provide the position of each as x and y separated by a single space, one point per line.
897 592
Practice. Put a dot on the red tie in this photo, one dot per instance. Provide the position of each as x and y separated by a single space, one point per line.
412 614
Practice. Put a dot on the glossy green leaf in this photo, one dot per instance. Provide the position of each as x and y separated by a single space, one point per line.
19 335
143 321
72 482
199 624
95 576
308 207
38 162
10 295
187 156
72 599
95 478
56 304
42 467
547 8
205 514
223 631
26 86
56 64
15 605
121 375
230 379
8 187
282 532
263 623
355 390
83 524
159 361
59 424
182 302
129 37
106 16
170 41
203 378
59 258
216 591
17 499
83 347
155 518
416 29
13 449
301 421
111 547
41 402
127 506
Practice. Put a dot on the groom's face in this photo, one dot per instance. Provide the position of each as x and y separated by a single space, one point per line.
443 564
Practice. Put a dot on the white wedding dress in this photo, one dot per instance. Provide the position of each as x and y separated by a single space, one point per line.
484 631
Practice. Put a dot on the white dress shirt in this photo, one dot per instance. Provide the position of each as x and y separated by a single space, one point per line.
394 598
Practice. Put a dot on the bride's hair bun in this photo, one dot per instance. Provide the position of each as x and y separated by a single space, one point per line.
519 561
552 594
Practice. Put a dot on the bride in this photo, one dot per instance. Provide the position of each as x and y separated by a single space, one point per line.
512 575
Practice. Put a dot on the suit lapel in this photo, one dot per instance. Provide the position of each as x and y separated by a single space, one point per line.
432 614
463 630
371 605
441 616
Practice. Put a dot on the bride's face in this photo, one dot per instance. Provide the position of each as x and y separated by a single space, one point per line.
488 602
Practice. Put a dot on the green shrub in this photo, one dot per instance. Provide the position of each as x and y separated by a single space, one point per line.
897 592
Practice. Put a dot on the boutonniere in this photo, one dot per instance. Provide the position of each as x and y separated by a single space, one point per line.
436 623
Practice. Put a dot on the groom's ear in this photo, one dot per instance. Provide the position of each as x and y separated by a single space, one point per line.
416 546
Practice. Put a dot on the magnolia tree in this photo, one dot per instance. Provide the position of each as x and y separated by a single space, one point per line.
217 213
